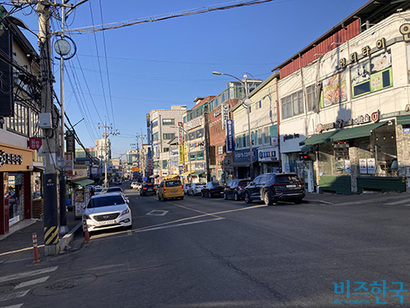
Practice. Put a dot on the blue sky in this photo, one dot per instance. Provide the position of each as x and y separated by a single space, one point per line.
122 74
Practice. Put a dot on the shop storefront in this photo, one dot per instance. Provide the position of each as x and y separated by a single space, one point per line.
268 159
357 158
242 162
16 164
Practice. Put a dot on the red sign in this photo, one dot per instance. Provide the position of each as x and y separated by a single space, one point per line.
35 143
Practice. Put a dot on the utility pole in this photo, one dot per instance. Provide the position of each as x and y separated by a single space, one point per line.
51 221
105 136
142 158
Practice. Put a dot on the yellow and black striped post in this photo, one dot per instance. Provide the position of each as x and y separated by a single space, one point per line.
51 235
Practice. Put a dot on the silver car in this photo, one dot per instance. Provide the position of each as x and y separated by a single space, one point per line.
195 189
107 211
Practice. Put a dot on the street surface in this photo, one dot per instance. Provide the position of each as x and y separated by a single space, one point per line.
201 252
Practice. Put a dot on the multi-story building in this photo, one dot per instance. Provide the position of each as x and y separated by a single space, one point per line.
20 135
344 102
163 125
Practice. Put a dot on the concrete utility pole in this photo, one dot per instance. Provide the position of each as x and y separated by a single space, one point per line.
142 158
51 221
105 136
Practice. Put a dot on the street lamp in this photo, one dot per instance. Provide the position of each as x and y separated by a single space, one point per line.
246 104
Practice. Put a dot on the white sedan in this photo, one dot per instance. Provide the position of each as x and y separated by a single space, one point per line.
107 211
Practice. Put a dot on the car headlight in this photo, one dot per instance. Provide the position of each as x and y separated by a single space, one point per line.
125 212
85 216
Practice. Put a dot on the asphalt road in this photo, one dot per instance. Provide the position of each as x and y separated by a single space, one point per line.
201 252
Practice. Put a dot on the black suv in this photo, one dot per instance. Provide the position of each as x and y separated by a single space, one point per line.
273 187
235 189
148 189
212 189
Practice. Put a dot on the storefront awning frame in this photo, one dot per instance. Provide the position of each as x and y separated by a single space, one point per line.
83 182
403 120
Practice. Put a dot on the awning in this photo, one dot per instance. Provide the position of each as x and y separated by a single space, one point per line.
198 173
185 174
83 182
240 164
401 120
356 132
319 138
343 134
154 176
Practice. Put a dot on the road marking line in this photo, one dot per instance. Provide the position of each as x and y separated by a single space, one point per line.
157 213
31 282
28 274
9 296
398 202
178 225
13 306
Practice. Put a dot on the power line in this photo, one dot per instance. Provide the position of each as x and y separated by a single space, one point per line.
94 29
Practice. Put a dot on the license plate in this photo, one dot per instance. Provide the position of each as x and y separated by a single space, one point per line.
174 191
107 222
290 186
149 189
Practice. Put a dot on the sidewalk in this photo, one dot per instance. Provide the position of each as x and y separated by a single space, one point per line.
18 244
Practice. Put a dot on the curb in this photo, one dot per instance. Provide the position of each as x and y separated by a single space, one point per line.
63 243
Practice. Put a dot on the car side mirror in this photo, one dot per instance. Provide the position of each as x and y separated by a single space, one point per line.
127 200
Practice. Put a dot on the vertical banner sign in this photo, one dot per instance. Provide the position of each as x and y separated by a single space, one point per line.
230 143
180 133
181 154
6 89
225 114
70 142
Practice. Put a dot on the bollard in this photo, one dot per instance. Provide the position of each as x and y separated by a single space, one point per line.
35 248
86 233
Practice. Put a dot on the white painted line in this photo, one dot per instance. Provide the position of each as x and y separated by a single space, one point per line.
28 274
31 282
178 225
398 202
157 213
9 296
13 306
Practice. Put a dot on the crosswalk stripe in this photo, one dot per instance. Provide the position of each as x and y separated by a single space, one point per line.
28 274
9 296
31 282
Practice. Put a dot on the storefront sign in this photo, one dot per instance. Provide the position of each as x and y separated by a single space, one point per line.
354 57
230 143
244 155
35 143
362 119
267 155
347 167
290 136
193 123
363 165
371 166
10 159
70 146
225 114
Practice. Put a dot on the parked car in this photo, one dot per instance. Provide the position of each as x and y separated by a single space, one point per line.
212 189
117 182
195 189
148 189
170 188
186 188
98 190
235 189
107 211
273 187
115 189
134 185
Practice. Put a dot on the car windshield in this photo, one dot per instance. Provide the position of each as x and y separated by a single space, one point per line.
105 201
111 189
287 178
97 190
172 183
215 184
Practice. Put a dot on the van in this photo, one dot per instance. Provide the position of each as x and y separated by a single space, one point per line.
170 187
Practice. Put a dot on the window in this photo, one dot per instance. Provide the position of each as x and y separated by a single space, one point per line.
155 136
292 105
192 156
259 135
311 98
200 155
19 122
154 123
164 164
165 149
220 149
266 135
258 105
169 136
168 122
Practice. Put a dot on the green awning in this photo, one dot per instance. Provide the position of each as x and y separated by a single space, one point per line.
401 120
356 132
83 182
319 138
198 174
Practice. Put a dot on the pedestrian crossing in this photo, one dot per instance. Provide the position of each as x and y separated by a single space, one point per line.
22 284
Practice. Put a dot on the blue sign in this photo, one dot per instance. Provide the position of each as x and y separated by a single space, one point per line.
230 142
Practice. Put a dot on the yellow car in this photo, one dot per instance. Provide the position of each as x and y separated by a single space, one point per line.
170 188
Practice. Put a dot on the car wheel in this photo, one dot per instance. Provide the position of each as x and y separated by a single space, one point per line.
225 196
236 197
209 194
267 199
182 198
159 197
247 198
